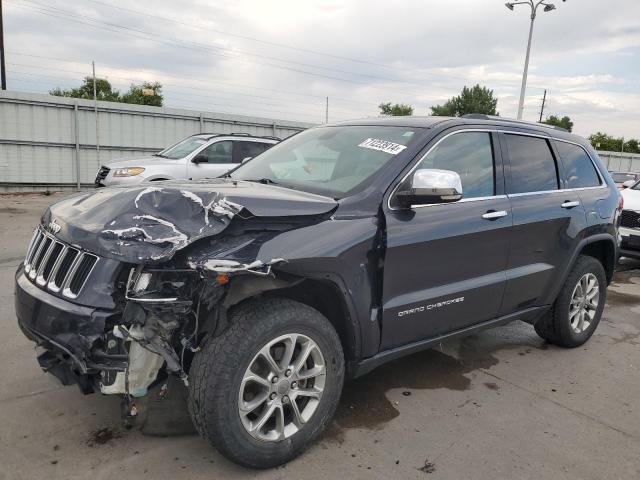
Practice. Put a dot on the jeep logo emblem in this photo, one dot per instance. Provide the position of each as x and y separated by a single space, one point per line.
54 227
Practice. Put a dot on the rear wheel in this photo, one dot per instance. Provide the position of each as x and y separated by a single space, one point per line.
578 308
264 390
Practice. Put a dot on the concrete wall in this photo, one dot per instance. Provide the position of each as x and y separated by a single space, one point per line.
621 162
46 141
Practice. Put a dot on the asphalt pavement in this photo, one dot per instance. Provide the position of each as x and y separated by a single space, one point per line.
501 404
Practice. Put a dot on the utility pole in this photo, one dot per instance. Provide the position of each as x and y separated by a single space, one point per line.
3 71
95 107
326 112
544 99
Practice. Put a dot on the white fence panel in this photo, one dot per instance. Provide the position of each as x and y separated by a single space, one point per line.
39 144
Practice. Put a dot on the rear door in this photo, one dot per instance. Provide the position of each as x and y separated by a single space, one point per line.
244 149
444 266
547 220
581 174
219 160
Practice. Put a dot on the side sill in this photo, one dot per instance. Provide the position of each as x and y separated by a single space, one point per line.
357 369
624 252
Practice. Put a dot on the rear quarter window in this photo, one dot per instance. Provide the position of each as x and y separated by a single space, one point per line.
579 169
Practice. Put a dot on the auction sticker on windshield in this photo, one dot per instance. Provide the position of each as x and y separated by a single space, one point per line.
382 145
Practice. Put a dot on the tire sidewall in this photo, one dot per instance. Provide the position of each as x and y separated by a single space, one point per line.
584 265
237 441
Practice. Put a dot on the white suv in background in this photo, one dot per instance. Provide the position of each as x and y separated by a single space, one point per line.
205 155
629 230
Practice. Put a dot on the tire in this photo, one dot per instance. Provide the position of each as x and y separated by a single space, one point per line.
218 372
556 325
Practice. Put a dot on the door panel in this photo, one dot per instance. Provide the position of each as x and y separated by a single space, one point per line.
444 269
547 222
543 237
444 266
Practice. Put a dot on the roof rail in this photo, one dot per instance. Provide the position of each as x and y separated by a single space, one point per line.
213 135
482 116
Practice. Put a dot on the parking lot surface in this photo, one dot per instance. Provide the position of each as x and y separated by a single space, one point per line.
500 404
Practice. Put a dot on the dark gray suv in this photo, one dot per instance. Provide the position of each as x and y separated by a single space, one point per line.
341 248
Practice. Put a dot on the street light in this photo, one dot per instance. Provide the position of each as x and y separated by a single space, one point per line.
534 10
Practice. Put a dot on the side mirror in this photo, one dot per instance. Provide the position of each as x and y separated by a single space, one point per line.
628 184
200 158
246 159
431 186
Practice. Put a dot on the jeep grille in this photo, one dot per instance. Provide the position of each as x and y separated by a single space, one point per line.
56 266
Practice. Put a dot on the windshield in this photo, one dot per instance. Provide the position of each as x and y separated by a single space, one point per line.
622 177
183 148
330 160
636 186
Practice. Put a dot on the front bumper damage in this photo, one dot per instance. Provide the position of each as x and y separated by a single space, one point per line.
166 314
168 297
70 335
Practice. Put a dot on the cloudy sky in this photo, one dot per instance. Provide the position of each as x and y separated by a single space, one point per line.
281 58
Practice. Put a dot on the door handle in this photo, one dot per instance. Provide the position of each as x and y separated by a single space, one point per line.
492 214
569 204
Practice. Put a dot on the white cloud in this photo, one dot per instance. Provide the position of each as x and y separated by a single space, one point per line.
583 54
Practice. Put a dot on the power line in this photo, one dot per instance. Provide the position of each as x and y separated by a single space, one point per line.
244 37
65 15
182 95
182 78
172 86
3 69
53 10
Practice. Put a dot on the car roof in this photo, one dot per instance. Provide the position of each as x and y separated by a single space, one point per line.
475 119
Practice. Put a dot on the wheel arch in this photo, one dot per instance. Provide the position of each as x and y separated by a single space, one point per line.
601 246
603 250
322 294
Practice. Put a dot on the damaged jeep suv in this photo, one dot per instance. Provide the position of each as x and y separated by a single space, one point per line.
341 248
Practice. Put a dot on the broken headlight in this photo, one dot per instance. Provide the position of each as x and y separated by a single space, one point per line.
161 285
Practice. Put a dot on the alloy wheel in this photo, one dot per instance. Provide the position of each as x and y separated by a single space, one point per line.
282 387
584 302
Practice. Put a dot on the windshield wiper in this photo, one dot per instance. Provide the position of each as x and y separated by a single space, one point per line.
159 155
266 181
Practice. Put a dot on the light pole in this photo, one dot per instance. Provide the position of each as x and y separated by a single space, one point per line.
534 10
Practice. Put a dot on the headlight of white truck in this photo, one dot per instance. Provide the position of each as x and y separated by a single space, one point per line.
128 172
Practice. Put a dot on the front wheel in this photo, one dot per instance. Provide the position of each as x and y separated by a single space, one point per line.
578 308
264 390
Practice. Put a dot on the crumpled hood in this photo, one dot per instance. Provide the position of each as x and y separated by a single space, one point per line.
147 224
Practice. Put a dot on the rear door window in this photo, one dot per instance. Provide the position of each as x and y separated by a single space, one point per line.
219 152
244 149
579 169
533 167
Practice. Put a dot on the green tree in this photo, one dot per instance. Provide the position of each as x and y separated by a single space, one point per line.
396 110
471 100
104 91
146 94
632 146
602 141
564 122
